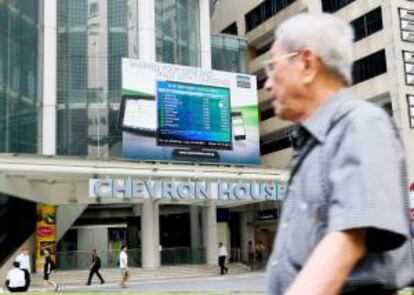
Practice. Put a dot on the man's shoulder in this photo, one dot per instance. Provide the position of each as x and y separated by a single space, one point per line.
360 112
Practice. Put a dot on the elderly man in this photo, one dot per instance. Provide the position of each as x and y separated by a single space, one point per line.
344 228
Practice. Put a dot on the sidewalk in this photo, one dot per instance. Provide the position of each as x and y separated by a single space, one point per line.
112 276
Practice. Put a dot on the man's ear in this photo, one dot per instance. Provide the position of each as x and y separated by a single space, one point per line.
311 66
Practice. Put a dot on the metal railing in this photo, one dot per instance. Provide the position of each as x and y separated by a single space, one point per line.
183 255
80 260
235 255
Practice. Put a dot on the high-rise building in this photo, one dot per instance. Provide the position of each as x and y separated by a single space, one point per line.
383 58
60 94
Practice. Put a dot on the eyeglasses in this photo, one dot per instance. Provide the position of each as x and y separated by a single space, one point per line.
269 64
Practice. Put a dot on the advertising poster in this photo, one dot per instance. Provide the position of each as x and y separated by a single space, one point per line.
186 114
45 234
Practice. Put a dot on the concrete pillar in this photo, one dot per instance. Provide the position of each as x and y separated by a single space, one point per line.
49 87
150 234
246 232
156 222
195 227
205 34
209 217
146 29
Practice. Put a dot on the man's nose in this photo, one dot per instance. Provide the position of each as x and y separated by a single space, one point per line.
268 84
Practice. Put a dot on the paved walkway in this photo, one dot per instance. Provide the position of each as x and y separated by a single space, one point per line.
112 276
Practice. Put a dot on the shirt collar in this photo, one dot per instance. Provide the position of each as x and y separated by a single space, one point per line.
319 122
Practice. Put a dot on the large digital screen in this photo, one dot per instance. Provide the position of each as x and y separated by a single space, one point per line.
193 115
187 114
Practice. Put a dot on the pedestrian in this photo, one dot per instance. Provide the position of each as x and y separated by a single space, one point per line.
250 254
344 227
15 280
123 265
48 267
259 252
24 260
95 266
222 255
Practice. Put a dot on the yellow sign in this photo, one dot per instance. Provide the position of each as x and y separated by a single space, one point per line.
45 234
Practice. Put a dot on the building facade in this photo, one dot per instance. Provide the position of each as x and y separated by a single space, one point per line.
383 58
60 91
382 71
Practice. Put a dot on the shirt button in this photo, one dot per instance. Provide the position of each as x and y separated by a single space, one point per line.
304 206
275 262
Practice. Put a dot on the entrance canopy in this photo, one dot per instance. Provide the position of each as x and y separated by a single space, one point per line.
59 180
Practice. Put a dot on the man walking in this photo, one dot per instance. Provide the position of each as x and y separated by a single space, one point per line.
123 265
48 267
222 255
96 265
15 280
344 227
24 260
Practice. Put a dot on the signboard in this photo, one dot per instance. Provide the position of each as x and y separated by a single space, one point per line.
270 214
197 190
186 114
45 234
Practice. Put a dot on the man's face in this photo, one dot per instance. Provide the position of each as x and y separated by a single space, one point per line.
285 82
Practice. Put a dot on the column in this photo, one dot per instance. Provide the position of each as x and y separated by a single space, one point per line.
246 232
156 222
195 227
146 29
150 234
49 81
209 217
205 34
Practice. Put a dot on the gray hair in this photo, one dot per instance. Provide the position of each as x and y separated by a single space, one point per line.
328 36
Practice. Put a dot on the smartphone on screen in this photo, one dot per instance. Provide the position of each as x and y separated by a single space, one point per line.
239 131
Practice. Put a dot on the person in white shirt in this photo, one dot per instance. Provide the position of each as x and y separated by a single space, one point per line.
24 259
222 259
123 265
15 280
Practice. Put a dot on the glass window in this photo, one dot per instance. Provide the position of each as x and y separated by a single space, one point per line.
93 37
231 29
367 24
229 54
334 5
369 67
264 11
177 32
93 9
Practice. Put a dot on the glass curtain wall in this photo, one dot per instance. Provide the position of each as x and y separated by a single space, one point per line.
93 36
229 54
177 25
19 76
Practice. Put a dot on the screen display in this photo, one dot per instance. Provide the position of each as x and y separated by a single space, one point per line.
139 115
193 115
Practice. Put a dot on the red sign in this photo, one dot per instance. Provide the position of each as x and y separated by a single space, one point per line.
45 231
